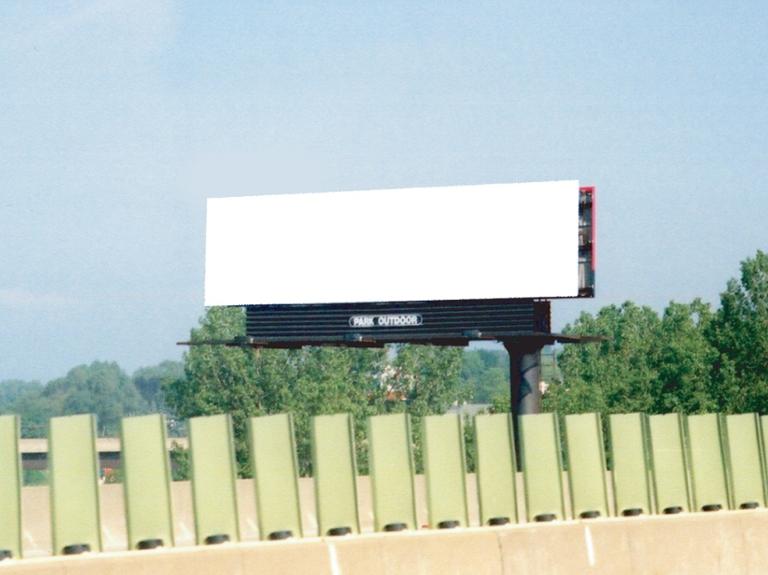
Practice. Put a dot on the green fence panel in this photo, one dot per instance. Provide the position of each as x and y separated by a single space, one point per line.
214 471
75 520
10 488
630 458
586 465
445 471
764 450
275 476
542 466
495 469
391 467
669 463
146 482
746 461
706 456
333 462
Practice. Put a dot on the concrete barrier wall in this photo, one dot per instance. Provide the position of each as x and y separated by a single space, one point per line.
700 543
703 543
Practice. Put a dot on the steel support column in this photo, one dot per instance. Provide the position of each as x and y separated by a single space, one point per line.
524 392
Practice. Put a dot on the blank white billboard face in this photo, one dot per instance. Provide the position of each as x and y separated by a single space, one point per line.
415 244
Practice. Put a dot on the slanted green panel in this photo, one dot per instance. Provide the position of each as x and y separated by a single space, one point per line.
542 466
391 463
10 487
631 469
586 465
275 472
670 475
495 468
214 495
146 481
709 480
75 517
333 461
445 471
764 450
764 437
746 460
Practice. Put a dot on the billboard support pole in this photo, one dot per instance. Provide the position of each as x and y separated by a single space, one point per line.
524 392
524 360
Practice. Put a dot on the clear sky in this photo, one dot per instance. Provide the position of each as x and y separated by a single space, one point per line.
118 119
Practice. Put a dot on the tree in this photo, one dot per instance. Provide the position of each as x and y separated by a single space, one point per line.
13 389
646 363
429 378
306 382
101 388
35 410
617 374
492 384
149 381
685 360
25 398
246 382
218 379
486 373
739 332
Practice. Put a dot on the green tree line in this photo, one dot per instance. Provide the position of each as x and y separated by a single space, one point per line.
102 388
690 358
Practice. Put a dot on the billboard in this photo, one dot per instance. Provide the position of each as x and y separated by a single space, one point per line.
482 242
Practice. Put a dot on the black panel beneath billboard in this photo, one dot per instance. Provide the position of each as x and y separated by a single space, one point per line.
375 324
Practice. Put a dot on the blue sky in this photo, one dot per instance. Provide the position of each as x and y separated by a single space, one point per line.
118 119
